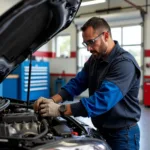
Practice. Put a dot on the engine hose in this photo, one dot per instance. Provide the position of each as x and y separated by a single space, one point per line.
4 103
44 132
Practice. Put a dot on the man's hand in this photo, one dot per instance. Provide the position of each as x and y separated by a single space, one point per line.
39 102
49 108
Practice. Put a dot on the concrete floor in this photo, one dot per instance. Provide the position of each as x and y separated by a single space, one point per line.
144 124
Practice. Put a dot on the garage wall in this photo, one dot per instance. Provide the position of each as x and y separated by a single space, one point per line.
67 64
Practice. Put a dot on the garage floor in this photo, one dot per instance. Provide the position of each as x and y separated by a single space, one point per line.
144 124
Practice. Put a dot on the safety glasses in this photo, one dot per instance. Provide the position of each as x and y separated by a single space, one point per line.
92 41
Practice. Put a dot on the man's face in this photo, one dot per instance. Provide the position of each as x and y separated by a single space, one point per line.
95 41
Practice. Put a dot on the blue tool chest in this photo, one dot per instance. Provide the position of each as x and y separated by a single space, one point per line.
39 83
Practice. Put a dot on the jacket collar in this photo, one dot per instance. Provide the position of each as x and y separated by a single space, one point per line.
112 53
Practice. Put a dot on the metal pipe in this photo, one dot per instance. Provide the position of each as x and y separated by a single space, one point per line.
77 47
143 68
29 80
108 6
146 6
135 6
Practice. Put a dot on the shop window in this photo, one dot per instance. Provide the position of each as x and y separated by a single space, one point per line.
63 46
83 57
116 34
129 37
132 35
80 40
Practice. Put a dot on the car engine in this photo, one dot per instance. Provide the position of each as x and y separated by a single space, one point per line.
21 128
20 125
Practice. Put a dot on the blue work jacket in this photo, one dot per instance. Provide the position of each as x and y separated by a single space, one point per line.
113 86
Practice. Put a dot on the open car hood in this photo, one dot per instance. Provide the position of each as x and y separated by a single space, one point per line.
29 25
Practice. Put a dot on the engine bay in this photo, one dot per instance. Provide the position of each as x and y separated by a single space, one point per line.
21 128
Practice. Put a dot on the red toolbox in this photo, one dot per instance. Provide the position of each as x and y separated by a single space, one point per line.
147 93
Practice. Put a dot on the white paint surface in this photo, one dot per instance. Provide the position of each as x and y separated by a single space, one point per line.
57 65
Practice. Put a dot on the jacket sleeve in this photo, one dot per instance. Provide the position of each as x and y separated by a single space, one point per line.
115 86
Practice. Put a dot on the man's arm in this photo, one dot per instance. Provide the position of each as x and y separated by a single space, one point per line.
116 85
57 98
74 87
49 108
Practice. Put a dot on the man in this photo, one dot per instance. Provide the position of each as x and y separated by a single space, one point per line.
113 77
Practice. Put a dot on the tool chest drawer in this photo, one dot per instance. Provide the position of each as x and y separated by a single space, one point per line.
39 83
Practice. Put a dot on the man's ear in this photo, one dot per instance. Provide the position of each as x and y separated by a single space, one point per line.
106 36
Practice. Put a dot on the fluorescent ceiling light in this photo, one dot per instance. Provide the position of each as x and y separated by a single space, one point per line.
92 2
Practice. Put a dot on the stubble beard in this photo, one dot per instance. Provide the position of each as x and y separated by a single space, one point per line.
102 52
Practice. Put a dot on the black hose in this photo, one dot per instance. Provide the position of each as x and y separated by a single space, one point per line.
44 132
41 134
4 103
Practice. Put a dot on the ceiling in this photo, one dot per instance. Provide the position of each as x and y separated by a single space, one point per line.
102 7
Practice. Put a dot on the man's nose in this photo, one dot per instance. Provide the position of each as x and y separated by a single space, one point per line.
89 48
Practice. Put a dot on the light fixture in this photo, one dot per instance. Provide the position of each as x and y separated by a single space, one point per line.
92 2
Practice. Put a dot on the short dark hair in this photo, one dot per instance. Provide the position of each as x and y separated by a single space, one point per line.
96 23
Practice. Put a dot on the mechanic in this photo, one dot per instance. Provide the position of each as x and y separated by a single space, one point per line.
113 78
